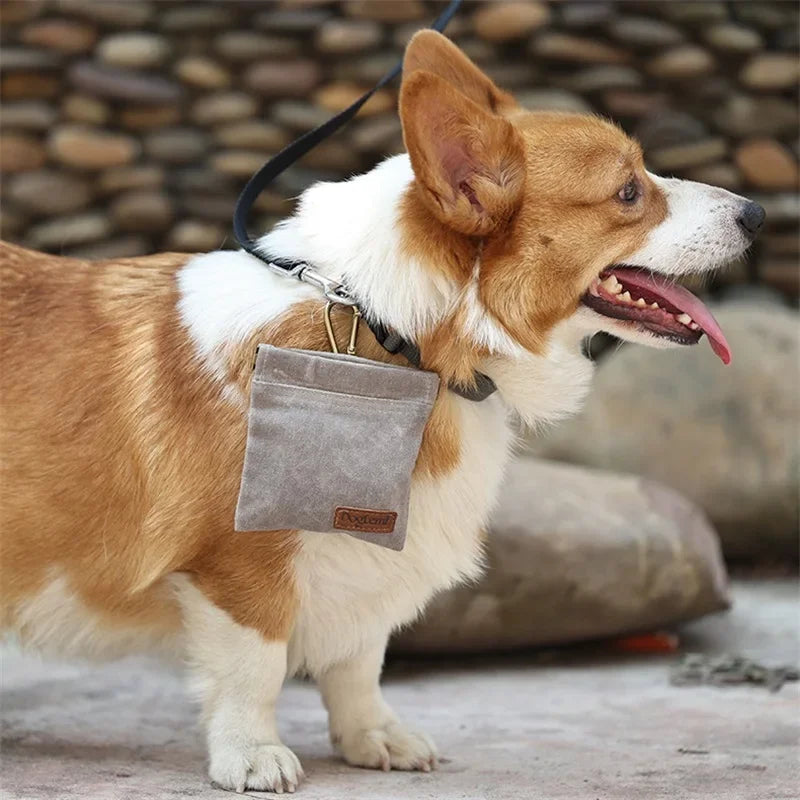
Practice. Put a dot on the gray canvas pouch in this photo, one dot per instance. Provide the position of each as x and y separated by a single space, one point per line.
331 444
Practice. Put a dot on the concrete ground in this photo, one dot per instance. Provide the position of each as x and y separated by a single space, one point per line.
582 724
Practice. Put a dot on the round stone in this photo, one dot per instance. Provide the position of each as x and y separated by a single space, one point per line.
333 155
118 247
49 192
338 96
145 117
252 135
223 107
114 13
80 108
195 236
63 35
500 22
768 71
28 115
733 38
12 223
142 211
195 17
553 100
283 78
240 46
742 115
631 103
721 174
586 15
19 153
123 84
366 69
136 50
512 76
477 50
723 434
15 59
89 148
565 47
645 32
682 156
237 163
176 145
214 207
768 16
378 134
393 11
669 128
767 164
67 231
348 36
139 176
202 72
29 86
16 11
298 115
687 61
603 77
694 11
290 21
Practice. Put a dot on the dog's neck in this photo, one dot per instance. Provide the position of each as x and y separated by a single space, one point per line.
350 231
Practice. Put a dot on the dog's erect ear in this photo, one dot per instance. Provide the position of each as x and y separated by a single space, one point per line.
432 52
469 163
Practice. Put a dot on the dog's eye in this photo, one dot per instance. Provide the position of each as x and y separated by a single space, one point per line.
629 193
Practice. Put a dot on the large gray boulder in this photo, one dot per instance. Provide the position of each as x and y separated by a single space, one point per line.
727 437
577 554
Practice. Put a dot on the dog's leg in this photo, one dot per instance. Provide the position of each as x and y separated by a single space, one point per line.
238 675
364 730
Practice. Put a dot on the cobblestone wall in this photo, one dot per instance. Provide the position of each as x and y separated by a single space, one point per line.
130 126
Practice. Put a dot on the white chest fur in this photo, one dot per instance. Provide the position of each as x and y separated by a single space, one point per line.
353 593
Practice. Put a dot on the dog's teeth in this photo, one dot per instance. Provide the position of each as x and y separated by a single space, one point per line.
611 285
684 319
641 303
654 305
694 326
626 296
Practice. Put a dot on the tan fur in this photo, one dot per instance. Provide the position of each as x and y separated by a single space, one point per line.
120 461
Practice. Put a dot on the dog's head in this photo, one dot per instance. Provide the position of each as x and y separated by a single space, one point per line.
570 220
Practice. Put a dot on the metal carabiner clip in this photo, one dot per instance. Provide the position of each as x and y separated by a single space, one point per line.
351 345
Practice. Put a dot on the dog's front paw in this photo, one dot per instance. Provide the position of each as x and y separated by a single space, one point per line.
389 747
262 767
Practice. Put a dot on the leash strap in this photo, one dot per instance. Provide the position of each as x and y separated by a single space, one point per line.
300 270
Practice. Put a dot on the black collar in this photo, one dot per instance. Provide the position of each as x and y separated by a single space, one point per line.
482 386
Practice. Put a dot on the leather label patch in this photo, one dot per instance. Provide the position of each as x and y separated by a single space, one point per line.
364 519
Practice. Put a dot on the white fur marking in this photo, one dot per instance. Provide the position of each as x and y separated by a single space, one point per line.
700 232
238 676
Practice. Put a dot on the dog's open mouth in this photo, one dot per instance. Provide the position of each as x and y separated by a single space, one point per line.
656 305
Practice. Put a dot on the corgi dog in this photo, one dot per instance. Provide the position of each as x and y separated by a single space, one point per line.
497 244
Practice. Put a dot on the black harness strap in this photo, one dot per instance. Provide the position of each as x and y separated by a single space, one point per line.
483 385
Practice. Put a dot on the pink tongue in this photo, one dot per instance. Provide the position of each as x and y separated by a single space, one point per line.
680 298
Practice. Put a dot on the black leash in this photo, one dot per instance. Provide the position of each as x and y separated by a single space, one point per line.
300 270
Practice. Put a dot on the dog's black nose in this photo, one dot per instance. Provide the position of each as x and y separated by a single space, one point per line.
751 218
